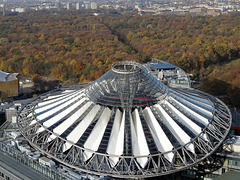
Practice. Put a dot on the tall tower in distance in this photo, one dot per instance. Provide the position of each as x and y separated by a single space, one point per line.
77 6
4 11
69 6
58 4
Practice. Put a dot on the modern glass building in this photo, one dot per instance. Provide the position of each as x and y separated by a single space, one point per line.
126 124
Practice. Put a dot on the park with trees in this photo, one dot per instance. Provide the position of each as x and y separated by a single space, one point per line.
76 46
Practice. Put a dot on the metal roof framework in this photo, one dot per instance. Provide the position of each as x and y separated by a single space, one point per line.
126 124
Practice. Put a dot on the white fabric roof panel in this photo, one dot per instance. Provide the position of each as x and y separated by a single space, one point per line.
33 122
190 104
139 144
63 113
54 102
186 121
75 135
96 135
115 144
51 109
63 94
193 97
68 122
195 115
178 133
160 138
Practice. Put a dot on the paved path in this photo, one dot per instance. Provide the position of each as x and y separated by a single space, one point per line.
18 169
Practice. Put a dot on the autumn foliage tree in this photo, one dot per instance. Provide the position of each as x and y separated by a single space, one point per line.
62 45
75 46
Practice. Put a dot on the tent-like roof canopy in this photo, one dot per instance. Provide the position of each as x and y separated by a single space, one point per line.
127 85
8 76
126 124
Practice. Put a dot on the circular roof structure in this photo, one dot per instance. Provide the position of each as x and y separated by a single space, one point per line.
126 124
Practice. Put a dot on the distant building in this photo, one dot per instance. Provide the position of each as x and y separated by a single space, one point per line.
3 9
19 9
94 5
77 6
198 10
230 159
11 114
58 4
167 73
214 12
69 6
87 5
9 84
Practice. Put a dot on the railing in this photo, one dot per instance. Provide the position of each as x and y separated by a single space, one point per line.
33 164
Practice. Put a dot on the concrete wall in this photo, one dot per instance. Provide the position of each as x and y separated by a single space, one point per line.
5 175
8 88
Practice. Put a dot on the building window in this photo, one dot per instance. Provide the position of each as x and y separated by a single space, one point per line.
7 178
234 163
1 174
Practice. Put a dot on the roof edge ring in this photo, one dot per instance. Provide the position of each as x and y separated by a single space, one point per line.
126 67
